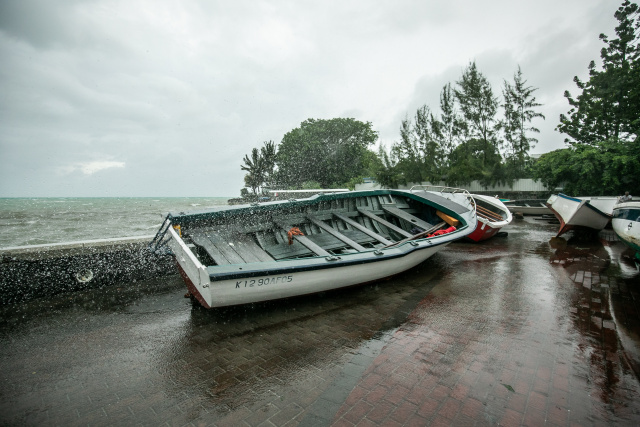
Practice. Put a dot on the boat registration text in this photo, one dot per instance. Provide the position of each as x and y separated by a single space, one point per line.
264 281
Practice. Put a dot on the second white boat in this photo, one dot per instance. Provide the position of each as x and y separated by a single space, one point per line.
626 224
592 213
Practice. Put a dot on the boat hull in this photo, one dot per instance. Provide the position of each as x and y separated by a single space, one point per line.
626 224
223 284
484 230
488 227
290 279
574 213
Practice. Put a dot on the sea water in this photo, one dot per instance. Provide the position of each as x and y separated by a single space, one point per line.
36 221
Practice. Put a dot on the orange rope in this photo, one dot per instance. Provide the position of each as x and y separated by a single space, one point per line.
440 232
295 231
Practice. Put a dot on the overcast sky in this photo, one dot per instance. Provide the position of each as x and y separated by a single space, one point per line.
164 98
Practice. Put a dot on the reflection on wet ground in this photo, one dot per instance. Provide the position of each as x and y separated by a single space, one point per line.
523 329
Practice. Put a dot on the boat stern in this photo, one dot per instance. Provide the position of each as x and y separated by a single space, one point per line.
194 274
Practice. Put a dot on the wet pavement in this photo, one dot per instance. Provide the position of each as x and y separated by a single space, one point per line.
525 329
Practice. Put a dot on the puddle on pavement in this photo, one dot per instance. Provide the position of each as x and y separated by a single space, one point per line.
603 312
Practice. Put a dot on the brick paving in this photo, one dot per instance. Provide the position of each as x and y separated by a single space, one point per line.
519 330
507 350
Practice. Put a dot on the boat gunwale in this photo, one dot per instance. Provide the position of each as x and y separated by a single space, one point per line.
596 210
631 205
238 210
573 199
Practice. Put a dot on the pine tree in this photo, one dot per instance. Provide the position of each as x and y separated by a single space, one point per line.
519 110
478 106
448 128
419 150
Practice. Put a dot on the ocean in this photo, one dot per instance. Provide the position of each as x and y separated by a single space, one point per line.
36 221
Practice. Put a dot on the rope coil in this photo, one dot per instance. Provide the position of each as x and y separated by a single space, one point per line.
295 231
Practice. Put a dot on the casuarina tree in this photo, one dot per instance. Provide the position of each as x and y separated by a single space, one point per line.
519 110
478 106
608 106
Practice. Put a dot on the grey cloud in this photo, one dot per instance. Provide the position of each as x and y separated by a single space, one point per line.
178 92
46 24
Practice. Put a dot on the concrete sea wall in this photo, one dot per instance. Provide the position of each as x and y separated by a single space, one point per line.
39 271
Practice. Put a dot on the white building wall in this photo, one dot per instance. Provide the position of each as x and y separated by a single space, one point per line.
520 185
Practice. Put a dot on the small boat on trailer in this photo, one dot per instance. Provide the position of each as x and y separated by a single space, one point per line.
626 224
252 253
592 213
528 207
492 216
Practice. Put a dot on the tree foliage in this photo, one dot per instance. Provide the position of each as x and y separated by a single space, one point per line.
448 128
268 154
330 152
462 143
602 124
519 111
419 152
259 166
473 160
601 169
387 173
608 106
478 107
253 166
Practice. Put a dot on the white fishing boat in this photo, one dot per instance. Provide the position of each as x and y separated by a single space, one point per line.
492 216
281 249
592 213
603 204
626 224
528 207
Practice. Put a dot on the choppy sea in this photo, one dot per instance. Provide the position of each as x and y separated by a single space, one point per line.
35 221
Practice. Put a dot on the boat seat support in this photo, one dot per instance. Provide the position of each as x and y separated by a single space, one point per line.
304 240
335 233
412 219
384 222
362 228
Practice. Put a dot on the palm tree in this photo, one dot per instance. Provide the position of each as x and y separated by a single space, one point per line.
268 156
254 167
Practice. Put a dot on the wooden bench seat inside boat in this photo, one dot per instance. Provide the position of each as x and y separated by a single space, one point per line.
303 240
488 214
356 225
335 233
406 216
326 241
229 249
384 222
